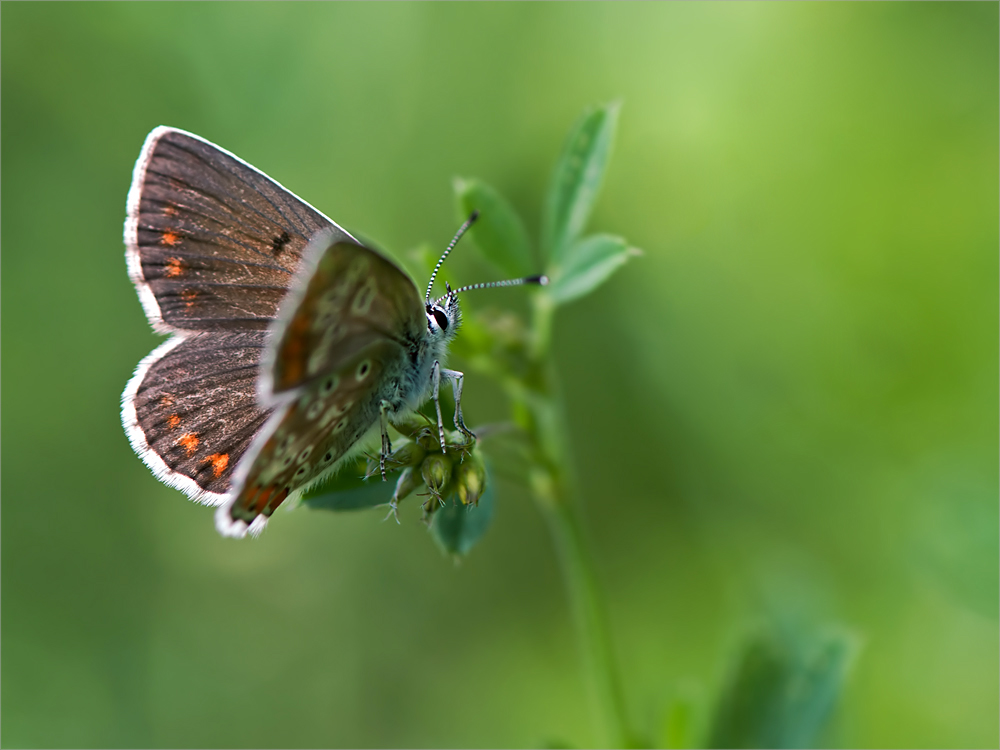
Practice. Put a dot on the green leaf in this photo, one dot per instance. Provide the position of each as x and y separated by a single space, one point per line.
456 528
499 231
587 265
678 724
781 693
577 179
349 490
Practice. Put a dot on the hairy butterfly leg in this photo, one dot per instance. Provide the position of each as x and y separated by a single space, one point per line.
386 444
436 380
456 379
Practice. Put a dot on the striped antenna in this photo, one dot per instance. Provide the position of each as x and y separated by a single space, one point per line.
451 246
540 280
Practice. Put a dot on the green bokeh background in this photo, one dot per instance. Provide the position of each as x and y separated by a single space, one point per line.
787 408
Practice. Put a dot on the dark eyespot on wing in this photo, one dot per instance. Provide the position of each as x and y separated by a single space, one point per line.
278 243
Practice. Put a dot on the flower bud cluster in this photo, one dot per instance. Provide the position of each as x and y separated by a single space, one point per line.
456 473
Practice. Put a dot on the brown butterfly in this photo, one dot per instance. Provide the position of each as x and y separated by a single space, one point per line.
290 343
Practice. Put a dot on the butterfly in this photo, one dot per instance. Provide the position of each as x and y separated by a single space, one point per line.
291 342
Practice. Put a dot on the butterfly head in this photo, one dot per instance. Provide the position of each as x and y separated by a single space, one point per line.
443 316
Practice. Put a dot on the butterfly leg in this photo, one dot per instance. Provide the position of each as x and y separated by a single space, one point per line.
386 445
436 380
456 385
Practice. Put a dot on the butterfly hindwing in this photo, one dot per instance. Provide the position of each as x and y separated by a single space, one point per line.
212 243
190 410
309 435
349 298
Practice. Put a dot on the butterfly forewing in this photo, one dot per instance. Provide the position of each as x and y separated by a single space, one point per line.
191 411
212 243
352 298
310 434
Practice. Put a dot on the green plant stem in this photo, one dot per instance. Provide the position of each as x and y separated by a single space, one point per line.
551 483
591 623
543 311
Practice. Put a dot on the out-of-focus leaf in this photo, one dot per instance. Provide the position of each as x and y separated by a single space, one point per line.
456 528
678 724
814 693
419 261
587 265
499 231
781 694
349 490
577 179
955 538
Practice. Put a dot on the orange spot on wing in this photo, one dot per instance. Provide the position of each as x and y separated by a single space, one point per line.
167 400
170 210
188 296
173 420
219 463
173 268
190 442
262 498
250 503
170 238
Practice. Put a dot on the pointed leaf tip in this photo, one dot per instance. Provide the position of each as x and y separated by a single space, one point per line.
586 265
577 178
782 693
498 232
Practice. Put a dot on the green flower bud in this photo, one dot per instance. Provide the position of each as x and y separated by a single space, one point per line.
428 439
436 472
407 454
470 480
409 480
411 426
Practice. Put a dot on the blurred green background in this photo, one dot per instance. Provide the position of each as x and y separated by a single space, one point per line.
787 408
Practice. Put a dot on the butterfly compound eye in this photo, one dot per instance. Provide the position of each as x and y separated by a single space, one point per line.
441 318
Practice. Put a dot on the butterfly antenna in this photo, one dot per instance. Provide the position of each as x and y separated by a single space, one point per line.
540 280
451 246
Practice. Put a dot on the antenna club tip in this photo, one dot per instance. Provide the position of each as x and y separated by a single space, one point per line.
541 280
474 215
